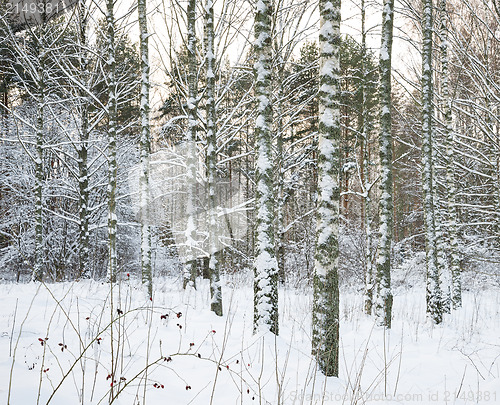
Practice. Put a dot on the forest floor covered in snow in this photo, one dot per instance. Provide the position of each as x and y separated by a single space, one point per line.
57 346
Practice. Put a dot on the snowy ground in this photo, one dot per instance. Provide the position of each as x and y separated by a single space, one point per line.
195 357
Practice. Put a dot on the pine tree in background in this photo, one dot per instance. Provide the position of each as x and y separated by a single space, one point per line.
111 151
265 265
145 150
213 264
434 303
383 303
191 161
326 283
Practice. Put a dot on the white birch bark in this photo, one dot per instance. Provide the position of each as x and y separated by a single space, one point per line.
213 264
265 265
191 161
326 289
112 162
449 138
82 150
145 150
365 158
383 303
434 302
38 269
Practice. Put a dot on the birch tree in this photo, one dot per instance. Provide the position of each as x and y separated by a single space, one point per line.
383 304
32 55
215 285
434 304
111 110
191 161
145 149
40 108
365 168
451 243
83 145
265 265
326 288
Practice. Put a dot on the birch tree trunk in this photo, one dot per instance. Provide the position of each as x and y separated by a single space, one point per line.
434 304
265 265
145 149
191 163
82 150
38 269
326 285
452 248
383 304
365 170
280 176
213 264
112 163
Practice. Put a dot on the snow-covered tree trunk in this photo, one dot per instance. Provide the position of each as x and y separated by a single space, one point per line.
451 189
191 163
440 219
440 211
365 170
434 303
213 264
383 302
280 178
112 122
145 149
82 150
265 266
326 284
38 270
